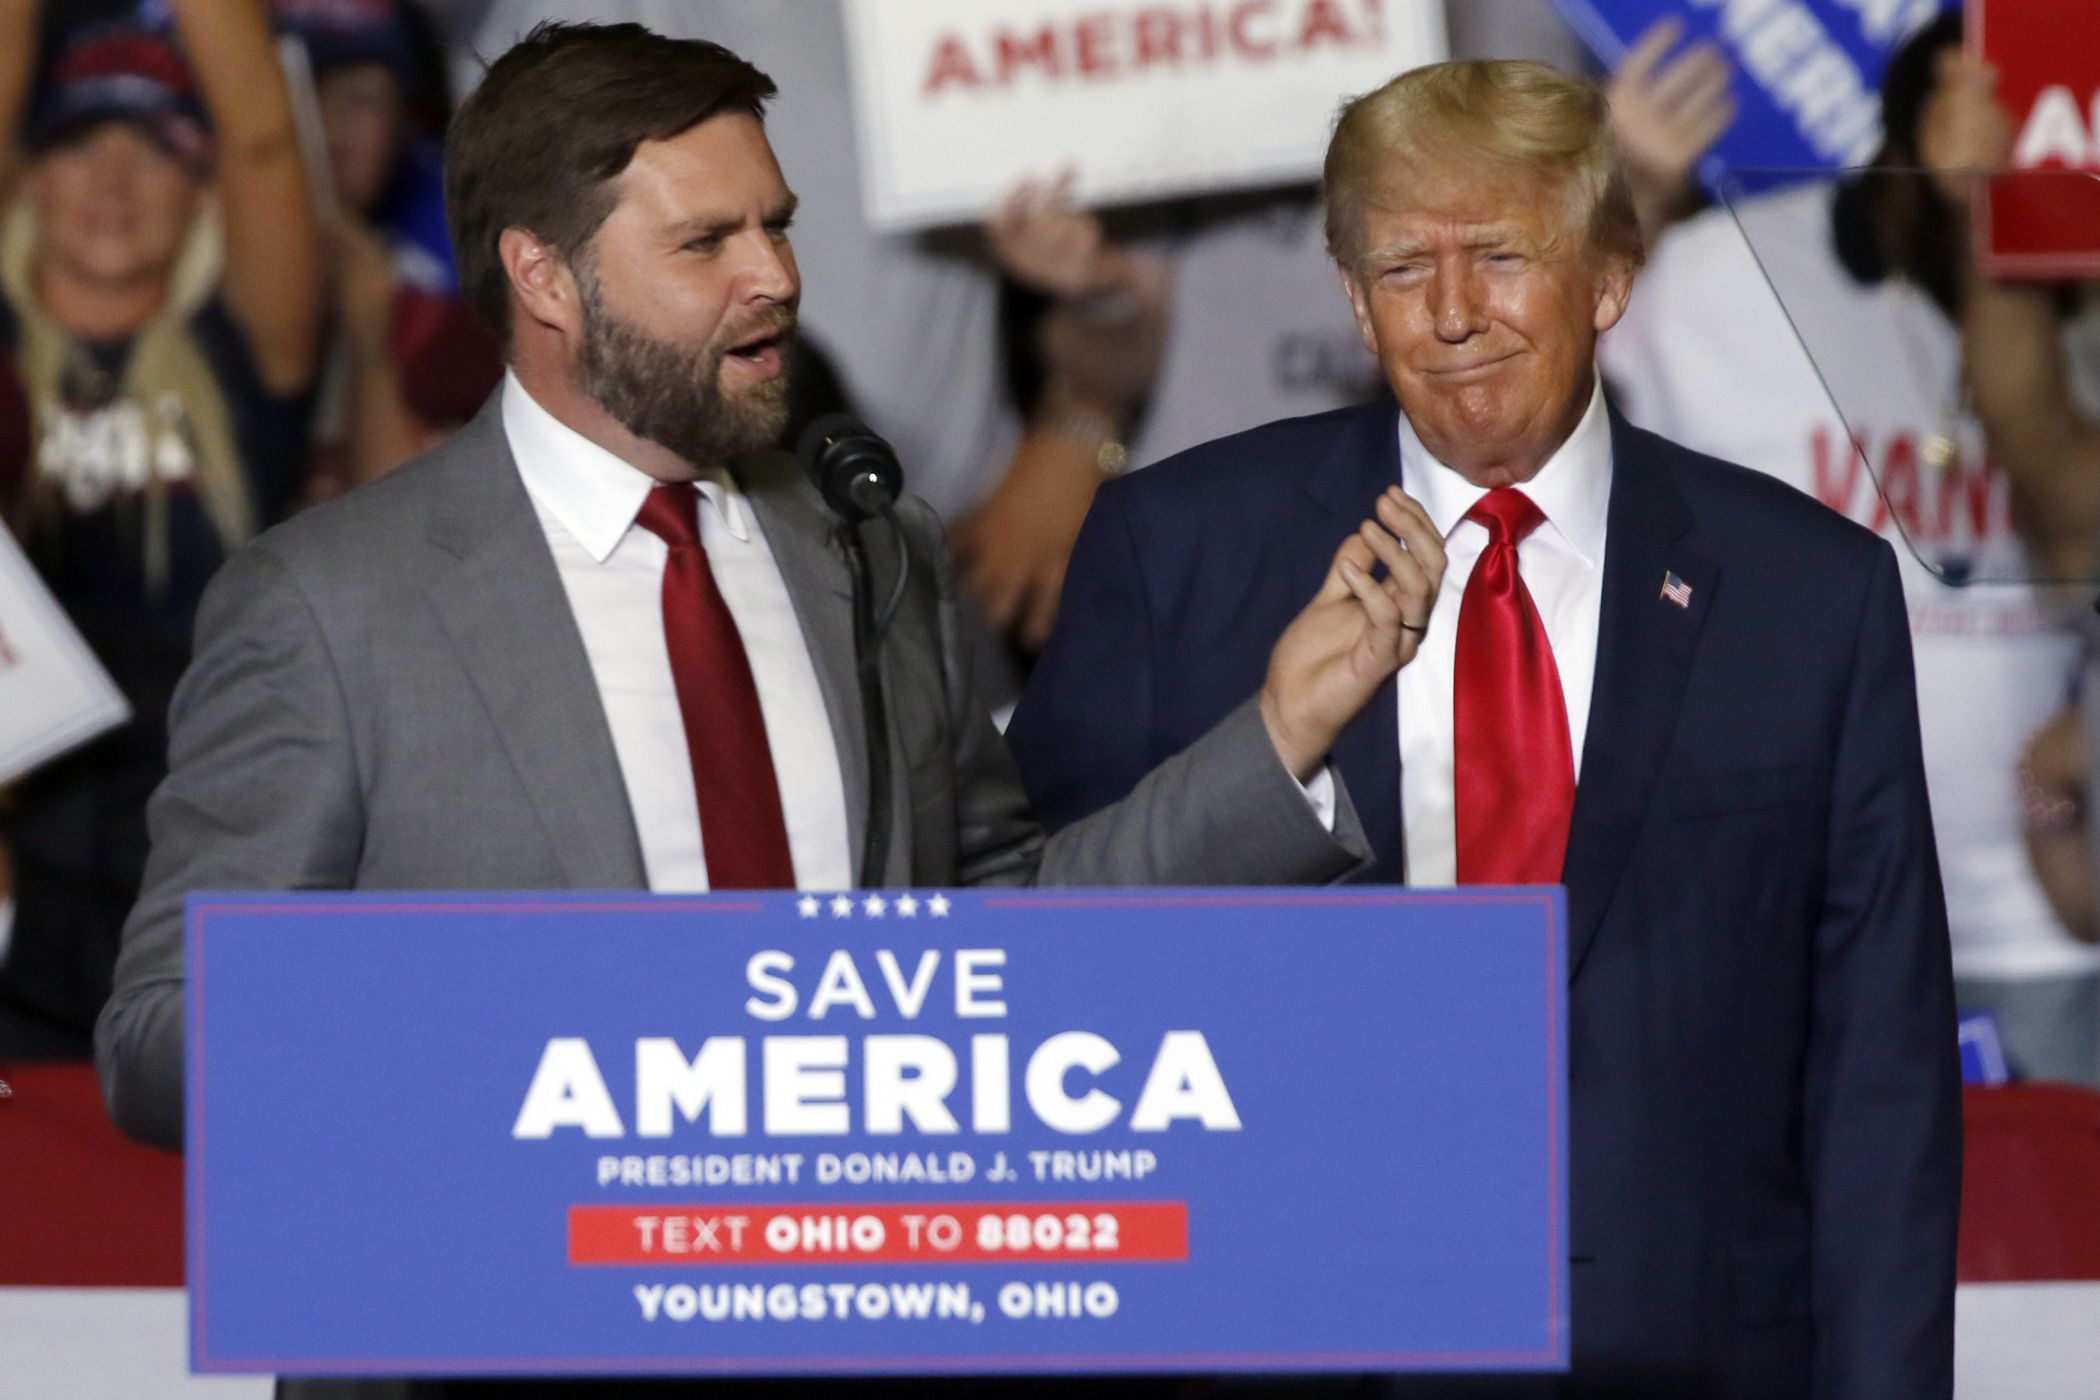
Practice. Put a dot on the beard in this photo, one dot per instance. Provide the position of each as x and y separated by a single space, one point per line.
671 394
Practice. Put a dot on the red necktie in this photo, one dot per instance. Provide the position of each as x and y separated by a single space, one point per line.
742 831
1515 782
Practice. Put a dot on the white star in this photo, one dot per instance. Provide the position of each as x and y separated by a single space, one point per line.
807 905
907 907
938 905
842 908
874 906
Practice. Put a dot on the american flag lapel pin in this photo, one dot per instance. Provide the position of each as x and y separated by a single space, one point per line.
1677 590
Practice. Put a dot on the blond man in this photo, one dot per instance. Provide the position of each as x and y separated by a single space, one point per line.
1680 689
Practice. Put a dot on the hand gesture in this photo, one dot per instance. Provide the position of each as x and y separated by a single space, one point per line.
1046 242
1356 631
1666 116
1963 130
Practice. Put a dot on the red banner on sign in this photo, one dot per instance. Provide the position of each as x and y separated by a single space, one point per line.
939 1233
2045 224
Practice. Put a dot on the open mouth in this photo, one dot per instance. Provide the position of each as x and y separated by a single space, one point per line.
762 355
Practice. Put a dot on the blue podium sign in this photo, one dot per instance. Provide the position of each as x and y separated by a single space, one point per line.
974 1132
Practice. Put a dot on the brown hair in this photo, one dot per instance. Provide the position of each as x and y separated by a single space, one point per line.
555 121
1504 118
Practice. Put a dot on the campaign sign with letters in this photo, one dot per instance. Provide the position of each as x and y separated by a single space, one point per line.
1807 72
54 694
957 101
773 1133
2042 220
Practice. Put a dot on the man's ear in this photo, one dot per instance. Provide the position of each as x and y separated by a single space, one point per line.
542 286
1614 290
1360 307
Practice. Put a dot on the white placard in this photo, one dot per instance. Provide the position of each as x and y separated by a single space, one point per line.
958 100
54 694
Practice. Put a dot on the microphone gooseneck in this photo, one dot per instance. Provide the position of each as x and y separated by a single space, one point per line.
860 478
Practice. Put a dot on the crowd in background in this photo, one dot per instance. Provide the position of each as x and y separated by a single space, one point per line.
225 295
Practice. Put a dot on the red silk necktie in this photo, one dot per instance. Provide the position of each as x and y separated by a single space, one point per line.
1515 765
742 831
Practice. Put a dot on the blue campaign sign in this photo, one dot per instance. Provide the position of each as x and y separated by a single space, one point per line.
1808 72
979 1132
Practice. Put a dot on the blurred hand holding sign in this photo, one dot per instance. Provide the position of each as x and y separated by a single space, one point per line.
54 695
2047 57
1807 72
958 100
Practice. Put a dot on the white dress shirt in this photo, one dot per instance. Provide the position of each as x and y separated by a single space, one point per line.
1561 563
587 500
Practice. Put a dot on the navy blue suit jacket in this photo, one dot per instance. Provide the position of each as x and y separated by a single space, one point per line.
1765 1097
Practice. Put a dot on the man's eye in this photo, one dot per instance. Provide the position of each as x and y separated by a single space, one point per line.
705 243
1505 259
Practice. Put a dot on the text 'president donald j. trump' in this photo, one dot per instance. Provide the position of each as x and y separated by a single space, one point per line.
1681 689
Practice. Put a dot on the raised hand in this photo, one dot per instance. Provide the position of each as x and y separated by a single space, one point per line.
1963 131
1666 116
1358 630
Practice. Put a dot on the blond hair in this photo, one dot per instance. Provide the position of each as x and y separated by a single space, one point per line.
166 373
1504 120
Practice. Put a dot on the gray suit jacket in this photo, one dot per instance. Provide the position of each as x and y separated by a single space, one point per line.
390 692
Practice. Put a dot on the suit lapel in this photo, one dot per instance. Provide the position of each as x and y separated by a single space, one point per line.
1645 645
508 616
1365 460
801 532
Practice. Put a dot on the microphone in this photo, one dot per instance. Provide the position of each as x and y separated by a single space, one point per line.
860 478
857 472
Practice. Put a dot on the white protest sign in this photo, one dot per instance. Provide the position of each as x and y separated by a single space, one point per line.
958 100
54 695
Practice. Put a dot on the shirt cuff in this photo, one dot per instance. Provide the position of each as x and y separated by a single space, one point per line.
1320 793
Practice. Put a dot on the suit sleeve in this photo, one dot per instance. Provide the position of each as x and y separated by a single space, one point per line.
1883 1130
1082 734
261 794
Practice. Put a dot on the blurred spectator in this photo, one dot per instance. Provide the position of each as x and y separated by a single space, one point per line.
408 363
1872 271
165 388
2055 785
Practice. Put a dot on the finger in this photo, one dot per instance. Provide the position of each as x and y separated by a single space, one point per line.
1042 609
1406 518
1655 41
1409 583
1696 68
1701 89
1711 126
1060 194
1378 605
1354 552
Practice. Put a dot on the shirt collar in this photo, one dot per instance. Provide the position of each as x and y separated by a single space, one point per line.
1573 489
594 494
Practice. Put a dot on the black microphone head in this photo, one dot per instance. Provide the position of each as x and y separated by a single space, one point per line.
857 472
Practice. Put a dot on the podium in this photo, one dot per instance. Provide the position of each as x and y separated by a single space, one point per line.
896 1132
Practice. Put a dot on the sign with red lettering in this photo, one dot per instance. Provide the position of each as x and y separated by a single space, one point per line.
959 100
2043 220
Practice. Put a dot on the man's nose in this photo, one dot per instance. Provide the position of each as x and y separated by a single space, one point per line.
769 272
1456 304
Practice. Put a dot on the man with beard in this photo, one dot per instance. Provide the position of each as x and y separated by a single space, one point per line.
600 640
